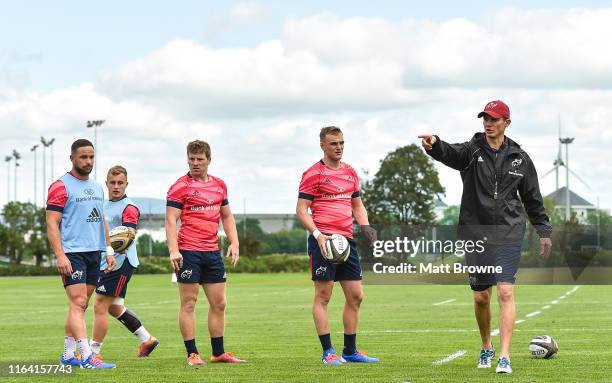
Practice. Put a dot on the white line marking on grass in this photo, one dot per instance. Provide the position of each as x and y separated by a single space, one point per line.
562 297
444 302
533 314
519 321
546 307
450 358
495 332
554 302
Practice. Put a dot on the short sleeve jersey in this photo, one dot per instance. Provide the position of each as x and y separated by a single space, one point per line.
200 204
331 192
81 204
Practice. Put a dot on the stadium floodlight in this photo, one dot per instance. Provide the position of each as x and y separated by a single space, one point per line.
46 144
8 160
17 157
33 149
94 124
51 141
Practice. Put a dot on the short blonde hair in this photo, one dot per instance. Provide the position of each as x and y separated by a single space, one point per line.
333 130
116 170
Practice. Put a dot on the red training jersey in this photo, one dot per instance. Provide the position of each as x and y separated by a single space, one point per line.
331 192
200 203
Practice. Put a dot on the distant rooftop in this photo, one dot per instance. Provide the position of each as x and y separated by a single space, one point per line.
558 196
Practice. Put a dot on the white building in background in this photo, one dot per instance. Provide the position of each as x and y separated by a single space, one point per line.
578 205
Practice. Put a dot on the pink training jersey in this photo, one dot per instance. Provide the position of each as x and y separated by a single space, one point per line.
200 204
331 192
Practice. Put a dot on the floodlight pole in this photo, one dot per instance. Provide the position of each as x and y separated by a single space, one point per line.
17 157
51 142
94 124
45 144
8 178
33 150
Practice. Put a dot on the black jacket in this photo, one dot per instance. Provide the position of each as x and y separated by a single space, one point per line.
492 184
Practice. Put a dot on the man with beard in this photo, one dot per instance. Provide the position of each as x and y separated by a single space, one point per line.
78 234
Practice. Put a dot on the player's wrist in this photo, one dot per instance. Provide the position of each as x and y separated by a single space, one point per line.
316 233
110 251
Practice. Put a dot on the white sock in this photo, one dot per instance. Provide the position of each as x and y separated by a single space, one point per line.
69 347
96 346
84 348
142 334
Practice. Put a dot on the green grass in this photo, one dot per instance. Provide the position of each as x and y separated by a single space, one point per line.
269 324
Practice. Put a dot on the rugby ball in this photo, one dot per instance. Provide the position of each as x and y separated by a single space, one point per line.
338 249
121 237
543 347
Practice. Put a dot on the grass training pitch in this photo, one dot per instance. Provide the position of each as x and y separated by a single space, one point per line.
422 333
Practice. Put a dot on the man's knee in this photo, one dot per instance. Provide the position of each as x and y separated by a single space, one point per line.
79 303
188 304
505 293
322 296
354 298
482 298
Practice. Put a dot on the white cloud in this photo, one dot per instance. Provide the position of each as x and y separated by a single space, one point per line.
383 82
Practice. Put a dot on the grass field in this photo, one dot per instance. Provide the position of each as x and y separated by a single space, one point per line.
269 324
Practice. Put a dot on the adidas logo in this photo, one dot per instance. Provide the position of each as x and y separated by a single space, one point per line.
94 216
480 159
101 289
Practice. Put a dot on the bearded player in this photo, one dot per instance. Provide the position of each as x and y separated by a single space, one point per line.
119 210
200 201
330 188
77 233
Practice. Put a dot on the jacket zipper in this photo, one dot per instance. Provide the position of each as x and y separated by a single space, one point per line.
495 170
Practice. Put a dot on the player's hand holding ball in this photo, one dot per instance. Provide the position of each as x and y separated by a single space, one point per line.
233 250
428 141
322 241
176 259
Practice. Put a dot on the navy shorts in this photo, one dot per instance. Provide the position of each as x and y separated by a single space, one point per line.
322 270
114 284
201 267
85 268
506 256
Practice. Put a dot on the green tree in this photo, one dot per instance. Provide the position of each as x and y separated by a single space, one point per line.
450 216
250 236
403 189
146 245
25 232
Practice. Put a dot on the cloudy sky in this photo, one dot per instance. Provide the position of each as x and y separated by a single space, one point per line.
259 79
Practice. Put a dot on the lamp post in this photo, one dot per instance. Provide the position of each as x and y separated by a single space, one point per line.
33 149
94 124
8 160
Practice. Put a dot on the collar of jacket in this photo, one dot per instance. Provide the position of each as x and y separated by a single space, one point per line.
513 147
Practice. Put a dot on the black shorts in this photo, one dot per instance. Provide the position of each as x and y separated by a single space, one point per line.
201 267
114 284
85 268
322 270
506 256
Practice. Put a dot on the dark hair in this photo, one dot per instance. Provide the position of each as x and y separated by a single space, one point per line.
80 143
333 130
197 147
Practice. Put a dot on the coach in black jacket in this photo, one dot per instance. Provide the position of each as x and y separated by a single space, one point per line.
499 179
